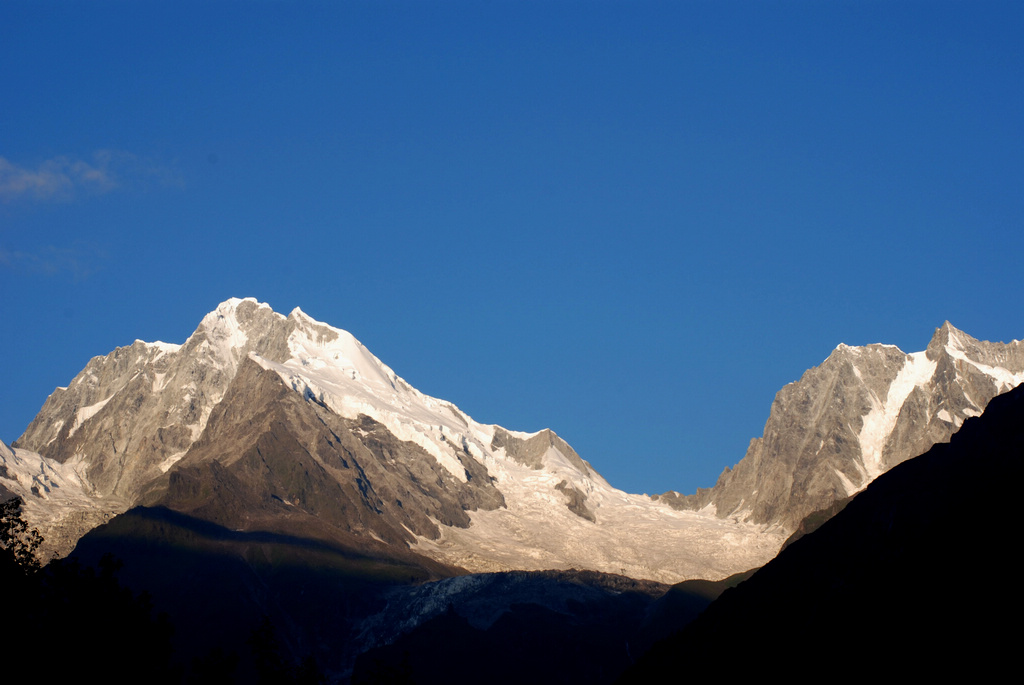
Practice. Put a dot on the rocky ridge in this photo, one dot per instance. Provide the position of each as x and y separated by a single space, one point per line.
854 417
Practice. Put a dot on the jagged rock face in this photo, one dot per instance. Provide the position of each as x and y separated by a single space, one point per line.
261 422
132 414
858 414
530 451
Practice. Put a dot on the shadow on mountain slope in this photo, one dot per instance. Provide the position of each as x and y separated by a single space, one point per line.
548 626
217 585
330 601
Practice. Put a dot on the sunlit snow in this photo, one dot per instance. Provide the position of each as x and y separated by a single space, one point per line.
879 422
86 413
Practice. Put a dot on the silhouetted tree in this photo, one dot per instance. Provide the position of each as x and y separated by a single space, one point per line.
216 667
82 613
18 542
273 667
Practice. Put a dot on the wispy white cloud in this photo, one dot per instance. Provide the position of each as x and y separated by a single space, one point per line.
63 178
79 260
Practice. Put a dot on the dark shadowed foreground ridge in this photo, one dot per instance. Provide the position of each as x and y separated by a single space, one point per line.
913 577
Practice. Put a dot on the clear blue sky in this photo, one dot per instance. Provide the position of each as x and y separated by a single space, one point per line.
631 222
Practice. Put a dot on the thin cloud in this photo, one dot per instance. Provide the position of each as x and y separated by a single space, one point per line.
64 178
78 260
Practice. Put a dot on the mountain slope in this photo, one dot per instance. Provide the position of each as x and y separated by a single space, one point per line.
858 414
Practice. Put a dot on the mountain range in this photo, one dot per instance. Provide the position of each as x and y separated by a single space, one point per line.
270 422
283 468
302 422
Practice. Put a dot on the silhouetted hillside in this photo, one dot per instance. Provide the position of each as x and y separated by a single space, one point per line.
913 577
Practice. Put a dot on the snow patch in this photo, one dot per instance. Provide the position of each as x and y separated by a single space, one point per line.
56 495
86 413
1003 378
224 335
162 347
878 423
170 461
848 485
632 536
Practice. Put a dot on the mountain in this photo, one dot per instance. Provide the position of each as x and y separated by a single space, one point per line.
261 421
272 466
854 417
912 578
265 422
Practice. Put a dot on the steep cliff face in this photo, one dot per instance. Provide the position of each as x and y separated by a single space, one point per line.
858 414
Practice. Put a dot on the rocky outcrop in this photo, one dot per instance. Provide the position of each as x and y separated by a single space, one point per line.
531 450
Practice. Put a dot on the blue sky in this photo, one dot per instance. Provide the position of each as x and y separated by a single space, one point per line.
629 222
